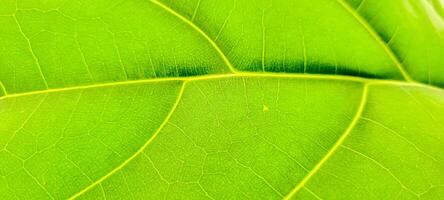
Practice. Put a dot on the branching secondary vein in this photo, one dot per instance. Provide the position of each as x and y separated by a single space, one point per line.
200 31
138 152
378 39
2 87
338 143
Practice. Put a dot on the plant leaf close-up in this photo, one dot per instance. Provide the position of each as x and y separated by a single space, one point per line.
221 99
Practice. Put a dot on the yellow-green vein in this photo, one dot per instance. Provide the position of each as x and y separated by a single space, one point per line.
200 31
335 147
138 152
239 74
378 39
36 60
2 87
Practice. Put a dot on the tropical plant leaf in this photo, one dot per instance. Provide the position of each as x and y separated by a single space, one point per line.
206 99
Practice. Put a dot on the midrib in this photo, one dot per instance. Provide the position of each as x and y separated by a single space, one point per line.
230 75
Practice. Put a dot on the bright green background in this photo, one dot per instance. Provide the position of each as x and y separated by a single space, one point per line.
233 99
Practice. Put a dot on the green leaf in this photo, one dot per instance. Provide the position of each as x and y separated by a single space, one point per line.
235 99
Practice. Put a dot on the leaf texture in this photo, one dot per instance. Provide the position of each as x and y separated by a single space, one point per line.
236 99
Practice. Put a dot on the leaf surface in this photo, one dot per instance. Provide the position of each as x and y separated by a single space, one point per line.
202 99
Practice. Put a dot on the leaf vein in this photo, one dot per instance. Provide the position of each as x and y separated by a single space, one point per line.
378 39
138 152
34 57
402 138
239 74
380 165
199 30
3 88
338 143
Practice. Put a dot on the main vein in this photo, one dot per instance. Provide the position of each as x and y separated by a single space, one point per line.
378 39
220 76
200 31
138 152
335 147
